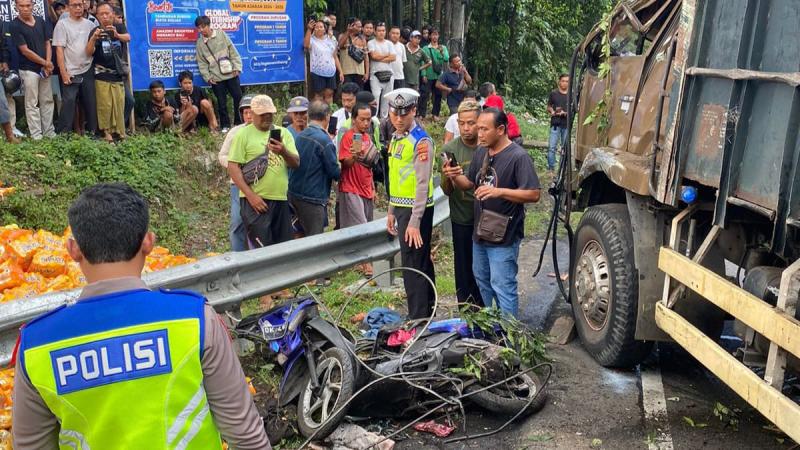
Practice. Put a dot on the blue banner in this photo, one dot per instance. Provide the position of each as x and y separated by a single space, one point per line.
267 33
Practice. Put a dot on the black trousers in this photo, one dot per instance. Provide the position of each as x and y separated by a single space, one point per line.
418 291
428 90
272 227
466 287
71 94
355 78
221 90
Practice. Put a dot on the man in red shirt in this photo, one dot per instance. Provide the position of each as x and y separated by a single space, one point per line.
356 188
514 132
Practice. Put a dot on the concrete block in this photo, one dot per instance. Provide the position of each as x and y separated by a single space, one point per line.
563 330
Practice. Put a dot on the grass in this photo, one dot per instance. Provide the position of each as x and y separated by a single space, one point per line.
186 188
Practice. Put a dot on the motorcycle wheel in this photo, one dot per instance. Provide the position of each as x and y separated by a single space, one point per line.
316 406
510 398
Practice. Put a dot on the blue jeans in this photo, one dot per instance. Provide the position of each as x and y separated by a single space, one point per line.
495 270
557 134
237 232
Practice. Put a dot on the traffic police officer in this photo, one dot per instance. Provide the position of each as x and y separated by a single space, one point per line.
411 199
126 367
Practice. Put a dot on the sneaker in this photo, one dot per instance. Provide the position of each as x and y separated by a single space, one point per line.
225 130
17 133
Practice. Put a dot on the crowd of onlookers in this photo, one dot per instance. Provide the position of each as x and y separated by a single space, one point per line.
283 171
72 69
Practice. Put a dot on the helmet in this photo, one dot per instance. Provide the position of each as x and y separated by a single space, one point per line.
11 81
245 102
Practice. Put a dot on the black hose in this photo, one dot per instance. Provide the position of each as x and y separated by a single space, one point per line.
561 186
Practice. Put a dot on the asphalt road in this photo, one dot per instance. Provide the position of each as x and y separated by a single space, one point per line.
666 403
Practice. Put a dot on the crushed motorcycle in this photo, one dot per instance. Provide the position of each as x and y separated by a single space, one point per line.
407 369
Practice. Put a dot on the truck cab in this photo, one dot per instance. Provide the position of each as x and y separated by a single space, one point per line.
686 116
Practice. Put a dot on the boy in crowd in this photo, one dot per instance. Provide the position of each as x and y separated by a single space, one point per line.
163 113
189 95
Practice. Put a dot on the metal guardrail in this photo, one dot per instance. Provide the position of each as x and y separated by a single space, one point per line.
226 280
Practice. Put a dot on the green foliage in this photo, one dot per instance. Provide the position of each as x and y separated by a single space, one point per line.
523 45
186 188
525 344
600 111
316 7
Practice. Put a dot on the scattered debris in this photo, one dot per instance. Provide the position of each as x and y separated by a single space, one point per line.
400 337
597 443
540 438
440 430
729 417
352 437
377 318
694 424
674 399
563 330
358 318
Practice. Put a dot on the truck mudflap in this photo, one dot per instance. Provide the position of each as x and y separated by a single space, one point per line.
775 323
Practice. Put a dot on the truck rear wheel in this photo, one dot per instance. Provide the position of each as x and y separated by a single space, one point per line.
604 287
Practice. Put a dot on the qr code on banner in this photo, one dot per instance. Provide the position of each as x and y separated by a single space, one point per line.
160 63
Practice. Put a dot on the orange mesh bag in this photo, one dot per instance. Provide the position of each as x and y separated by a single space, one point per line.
11 275
59 283
24 248
74 272
50 241
49 263
24 290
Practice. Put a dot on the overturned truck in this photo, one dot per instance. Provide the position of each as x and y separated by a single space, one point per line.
686 117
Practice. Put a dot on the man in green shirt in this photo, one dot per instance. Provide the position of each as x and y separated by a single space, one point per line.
417 61
264 206
461 202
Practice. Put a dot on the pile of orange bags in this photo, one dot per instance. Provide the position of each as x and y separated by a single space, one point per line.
34 263
6 385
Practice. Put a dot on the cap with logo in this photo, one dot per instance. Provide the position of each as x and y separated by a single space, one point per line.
415 33
298 104
262 104
402 100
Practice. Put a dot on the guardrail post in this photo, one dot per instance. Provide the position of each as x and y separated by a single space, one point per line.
447 229
387 280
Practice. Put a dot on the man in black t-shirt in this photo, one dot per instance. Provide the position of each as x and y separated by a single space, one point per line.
504 179
32 37
189 95
557 106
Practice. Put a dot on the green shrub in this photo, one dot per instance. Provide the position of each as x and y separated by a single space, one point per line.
186 188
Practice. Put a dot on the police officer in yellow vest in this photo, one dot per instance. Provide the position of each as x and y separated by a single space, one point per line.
411 198
126 367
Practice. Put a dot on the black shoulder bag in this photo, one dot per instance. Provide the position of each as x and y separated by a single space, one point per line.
492 226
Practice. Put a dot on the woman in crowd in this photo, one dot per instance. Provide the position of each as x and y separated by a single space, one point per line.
106 48
324 61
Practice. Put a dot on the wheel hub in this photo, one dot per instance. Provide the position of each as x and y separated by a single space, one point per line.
319 403
593 285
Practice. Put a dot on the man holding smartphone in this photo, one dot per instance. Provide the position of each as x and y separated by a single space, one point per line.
356 188
77 74
557 105
264 206
459 152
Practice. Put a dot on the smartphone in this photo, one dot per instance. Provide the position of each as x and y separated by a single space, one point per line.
76 79
334 122
275 134
449 156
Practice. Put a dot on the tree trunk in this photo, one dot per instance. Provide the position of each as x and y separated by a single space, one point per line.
419 11
437 14
457 24
397 18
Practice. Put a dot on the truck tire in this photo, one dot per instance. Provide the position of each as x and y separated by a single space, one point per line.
604 287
